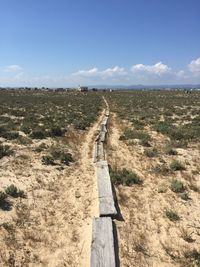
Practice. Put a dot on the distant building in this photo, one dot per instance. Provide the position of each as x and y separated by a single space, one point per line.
83 88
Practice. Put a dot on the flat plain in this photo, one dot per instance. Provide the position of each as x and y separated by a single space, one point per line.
48 187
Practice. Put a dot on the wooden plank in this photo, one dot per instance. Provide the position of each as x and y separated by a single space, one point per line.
106 200
102 137
104 121
101 151
95 152
103 128
102 248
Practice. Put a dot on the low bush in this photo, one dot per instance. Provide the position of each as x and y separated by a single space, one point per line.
5 151
173 216
38 134
48 160
7 226
184 196
10 135
169 150
138 124
66 158
194 256
144 138
177 186
176 165
13 191
186 235
81 124
125 177
161 169
151 153
62 156
56 131
3 197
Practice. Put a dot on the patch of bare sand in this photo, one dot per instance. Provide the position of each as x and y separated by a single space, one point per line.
146 236
52 227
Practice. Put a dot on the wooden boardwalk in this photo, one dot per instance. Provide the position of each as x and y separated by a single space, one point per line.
102 248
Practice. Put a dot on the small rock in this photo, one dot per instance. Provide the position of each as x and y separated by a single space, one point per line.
77 194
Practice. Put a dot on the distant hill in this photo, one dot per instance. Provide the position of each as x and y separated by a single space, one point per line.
140 86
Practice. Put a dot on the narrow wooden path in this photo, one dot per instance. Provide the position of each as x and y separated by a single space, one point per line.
103 241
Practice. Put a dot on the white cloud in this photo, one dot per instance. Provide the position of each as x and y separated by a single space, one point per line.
113 71
194 66
157 69
103 74
159 73
87 73
12 68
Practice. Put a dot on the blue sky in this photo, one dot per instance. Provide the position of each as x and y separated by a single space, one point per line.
90 42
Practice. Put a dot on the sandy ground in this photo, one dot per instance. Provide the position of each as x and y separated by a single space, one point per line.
146 236
52 227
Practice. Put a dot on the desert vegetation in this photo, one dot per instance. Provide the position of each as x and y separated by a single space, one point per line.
47 191
156 135
43 150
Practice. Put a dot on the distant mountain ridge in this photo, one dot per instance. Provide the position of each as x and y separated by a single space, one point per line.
141 86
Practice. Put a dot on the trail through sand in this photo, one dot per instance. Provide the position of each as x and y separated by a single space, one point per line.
74 209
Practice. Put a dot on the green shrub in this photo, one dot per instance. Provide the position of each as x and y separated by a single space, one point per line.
3 197
5 151
169 150
173 216
81 124
38 134
25 128
56 131
177 186
3 130
7 226
133 134
125 177
11 135
151 153
145 139
184 196
138 124
66 158
176 165
194 256
13 191
48 160
161 169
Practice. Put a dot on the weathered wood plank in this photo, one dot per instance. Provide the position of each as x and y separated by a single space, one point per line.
106 200
102 248
104 121
101 151
95 152
103 128
102 137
